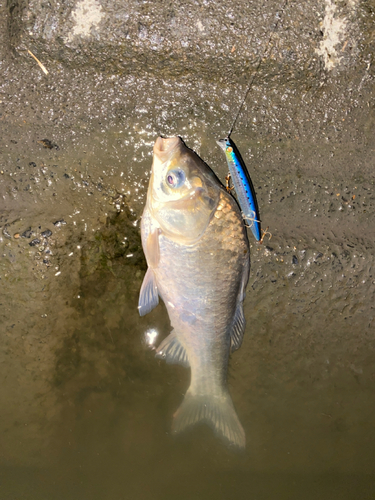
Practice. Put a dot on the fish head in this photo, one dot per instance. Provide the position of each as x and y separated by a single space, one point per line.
183 192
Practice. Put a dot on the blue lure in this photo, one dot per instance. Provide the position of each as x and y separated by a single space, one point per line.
243 185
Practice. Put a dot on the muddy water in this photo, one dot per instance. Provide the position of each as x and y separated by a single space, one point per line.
86 408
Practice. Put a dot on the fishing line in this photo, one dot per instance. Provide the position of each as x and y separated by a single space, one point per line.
278 17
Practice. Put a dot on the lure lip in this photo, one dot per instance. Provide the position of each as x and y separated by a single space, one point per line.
222 143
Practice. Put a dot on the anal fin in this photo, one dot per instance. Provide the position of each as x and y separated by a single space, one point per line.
172 351
148 296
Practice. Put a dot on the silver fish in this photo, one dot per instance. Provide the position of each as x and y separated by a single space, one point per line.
198 260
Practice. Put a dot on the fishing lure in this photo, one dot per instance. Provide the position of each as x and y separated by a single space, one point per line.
237 168
243 185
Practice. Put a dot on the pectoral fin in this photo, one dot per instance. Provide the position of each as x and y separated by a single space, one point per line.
152 248
148 296
172 351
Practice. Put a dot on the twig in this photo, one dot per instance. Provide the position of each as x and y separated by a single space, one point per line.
37 60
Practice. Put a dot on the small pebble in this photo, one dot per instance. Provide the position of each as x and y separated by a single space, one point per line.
34 242
27 233
5 232
17 235
59 223
47 233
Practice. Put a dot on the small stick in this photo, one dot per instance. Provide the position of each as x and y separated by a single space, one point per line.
37 60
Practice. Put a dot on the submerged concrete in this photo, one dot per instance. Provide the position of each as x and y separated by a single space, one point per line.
79 388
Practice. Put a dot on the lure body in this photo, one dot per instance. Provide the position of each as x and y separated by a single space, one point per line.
242 184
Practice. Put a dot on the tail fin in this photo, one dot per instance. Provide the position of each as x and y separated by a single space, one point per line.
217 411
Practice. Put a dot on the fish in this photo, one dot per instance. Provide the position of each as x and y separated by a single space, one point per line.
198 258
243 185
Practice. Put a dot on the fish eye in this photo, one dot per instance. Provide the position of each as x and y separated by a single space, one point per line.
175 178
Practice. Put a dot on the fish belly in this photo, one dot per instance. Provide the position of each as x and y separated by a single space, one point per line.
201 286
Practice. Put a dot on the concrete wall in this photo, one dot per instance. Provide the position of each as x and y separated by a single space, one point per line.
76 146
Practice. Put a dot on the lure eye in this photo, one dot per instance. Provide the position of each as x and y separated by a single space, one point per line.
175 178
229 149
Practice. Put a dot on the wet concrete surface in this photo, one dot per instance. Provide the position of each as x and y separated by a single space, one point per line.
86 408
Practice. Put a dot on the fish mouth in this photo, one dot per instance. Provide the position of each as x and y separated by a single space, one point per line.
164 146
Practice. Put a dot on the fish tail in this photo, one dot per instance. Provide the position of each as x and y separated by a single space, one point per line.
216 411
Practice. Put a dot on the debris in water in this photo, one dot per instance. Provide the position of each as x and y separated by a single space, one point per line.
48 144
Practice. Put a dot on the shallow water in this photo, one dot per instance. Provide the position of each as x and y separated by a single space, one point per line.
87 408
